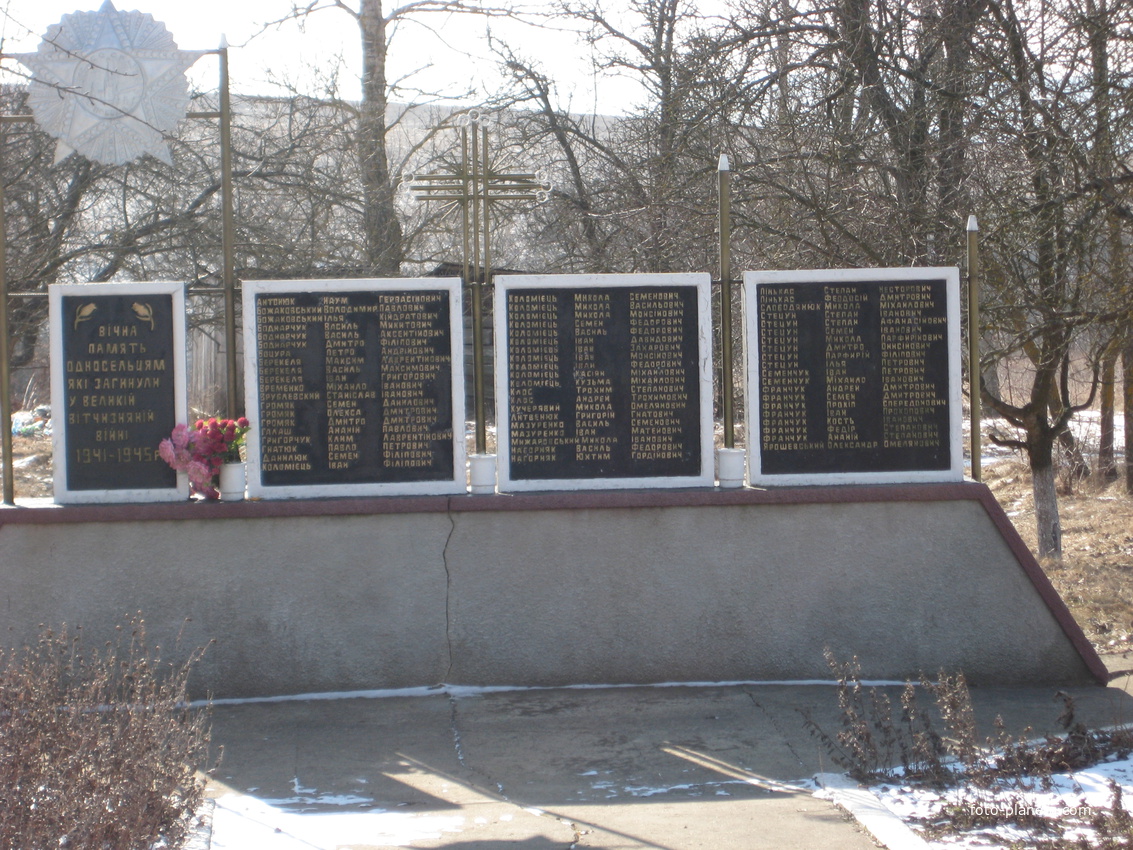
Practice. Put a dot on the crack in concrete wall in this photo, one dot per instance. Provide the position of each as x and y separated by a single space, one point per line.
448 589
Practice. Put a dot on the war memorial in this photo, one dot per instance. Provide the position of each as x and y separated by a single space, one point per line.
602 541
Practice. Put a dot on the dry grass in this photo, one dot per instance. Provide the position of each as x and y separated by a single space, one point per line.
33 467
1095 574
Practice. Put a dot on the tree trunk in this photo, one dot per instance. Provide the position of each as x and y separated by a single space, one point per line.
1107 463
1047 523
960 19
1078 468
990 379
1127 386
381 228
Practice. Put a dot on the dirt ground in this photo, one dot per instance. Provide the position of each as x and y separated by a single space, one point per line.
1095 574
32 469
1094 577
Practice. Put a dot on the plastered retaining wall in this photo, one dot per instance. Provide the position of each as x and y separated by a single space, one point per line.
553 589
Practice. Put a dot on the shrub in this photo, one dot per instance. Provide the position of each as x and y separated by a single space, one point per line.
98 746
990 778
872 740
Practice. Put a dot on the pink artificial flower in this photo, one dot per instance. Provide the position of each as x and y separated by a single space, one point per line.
200 479
181 436
165 449
177 449
200 451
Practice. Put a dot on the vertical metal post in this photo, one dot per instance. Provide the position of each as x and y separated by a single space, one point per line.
473 177
228 234
465 212
477 300
5 368
481 400
974 373
727 381
486 176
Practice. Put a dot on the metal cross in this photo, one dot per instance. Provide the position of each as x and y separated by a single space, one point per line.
473 187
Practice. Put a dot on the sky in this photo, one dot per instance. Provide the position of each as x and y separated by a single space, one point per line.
428 49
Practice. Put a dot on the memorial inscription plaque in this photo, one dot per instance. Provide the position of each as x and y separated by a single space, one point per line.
854 375
117 389
602 381
354 387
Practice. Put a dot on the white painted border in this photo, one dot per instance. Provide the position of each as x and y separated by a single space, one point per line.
256 488
950 275
863 805
703 284
56 293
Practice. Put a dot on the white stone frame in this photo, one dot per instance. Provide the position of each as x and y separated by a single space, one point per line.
256 488
951 277
703 284
56 293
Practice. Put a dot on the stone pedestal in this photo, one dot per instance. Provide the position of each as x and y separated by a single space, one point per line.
730 467
482 473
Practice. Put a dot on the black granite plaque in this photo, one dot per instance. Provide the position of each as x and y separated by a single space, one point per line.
354 387
603 382
853 377
120 395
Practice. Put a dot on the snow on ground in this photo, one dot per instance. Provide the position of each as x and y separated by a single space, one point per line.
1074 800
889 810
240 822
1085 426
896 813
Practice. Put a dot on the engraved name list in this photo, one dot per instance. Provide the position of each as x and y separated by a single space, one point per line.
853 377
603 382
354 387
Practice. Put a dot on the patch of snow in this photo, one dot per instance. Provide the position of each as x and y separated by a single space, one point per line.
882 822
893 811
303 801
240 822
306 798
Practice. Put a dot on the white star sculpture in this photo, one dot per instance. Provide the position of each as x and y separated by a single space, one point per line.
110 85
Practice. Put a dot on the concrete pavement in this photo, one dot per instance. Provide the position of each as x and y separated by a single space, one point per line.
616 768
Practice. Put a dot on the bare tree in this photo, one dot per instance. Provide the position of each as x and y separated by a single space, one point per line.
866 128
1053 234
42 201
381 226
633 192
853 129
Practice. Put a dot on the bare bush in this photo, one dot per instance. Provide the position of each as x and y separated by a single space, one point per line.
98 746
989 779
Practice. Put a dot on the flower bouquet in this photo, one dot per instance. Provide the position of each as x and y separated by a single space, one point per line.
200 451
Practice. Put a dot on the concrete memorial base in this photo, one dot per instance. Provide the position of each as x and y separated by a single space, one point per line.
553 588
